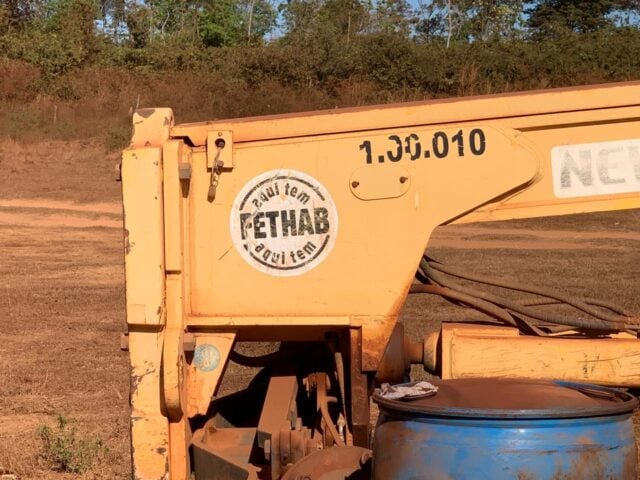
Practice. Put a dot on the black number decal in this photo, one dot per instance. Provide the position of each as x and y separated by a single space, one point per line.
416 151
458 139
411 147
440 144
477 141
398 156
366 146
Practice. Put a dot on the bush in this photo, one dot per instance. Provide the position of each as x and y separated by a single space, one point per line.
89 90
65 451
18 80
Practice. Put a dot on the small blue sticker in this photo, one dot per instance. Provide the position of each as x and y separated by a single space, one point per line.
206 357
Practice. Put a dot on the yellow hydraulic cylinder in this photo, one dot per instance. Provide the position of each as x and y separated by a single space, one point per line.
476 351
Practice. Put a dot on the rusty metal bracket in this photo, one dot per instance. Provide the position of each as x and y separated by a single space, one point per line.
279 413
359 392
223 453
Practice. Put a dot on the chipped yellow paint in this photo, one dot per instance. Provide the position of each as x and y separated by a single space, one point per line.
149 426
180 434
250 320
151 127
375 335
144 231
142 194
174 365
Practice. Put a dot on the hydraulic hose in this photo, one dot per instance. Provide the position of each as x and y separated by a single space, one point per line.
530 289
595 324
439 279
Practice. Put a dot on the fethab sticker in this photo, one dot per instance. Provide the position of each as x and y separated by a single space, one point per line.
284 222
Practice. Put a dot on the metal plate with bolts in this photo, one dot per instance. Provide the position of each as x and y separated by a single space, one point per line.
375 182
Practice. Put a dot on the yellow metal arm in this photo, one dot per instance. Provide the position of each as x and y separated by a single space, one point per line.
394 174
548 119
289 227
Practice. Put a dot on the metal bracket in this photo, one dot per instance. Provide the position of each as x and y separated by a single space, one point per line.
219 156
222 140
375 182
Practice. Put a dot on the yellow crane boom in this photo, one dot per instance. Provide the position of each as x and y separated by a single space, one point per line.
292 227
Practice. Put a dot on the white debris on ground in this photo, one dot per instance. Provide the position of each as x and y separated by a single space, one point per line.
407 392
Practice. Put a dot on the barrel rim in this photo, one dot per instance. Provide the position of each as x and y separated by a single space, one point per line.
629 403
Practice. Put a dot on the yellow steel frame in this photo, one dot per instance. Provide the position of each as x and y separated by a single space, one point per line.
184 273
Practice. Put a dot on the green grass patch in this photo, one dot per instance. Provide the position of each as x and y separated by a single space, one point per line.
67 452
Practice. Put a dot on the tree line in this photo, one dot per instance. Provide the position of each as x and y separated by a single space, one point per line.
97 59
216 23
58 35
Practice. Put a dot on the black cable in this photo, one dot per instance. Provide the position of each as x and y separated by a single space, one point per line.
529 289
533 302
436 273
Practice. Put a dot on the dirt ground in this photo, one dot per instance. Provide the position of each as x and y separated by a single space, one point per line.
62 292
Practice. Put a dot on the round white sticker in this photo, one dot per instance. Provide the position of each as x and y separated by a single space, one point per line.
284 222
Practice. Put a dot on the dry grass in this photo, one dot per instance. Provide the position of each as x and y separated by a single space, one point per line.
61 289
81 171
62 304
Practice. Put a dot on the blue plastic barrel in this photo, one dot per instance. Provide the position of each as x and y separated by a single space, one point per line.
496 429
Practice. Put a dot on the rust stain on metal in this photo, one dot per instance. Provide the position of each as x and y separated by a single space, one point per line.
479 393
343 462
522 475
136 379
146 112
359 398
395 361
589 464
375 336
389 461
128 246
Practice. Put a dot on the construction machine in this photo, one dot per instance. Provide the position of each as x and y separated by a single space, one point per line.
310 230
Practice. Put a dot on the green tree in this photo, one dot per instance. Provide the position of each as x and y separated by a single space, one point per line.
139 22
258 19
552 19
470 20
492 19
393 16
74 22
113 13
170 17
18 13
431 20
324 20
220 23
